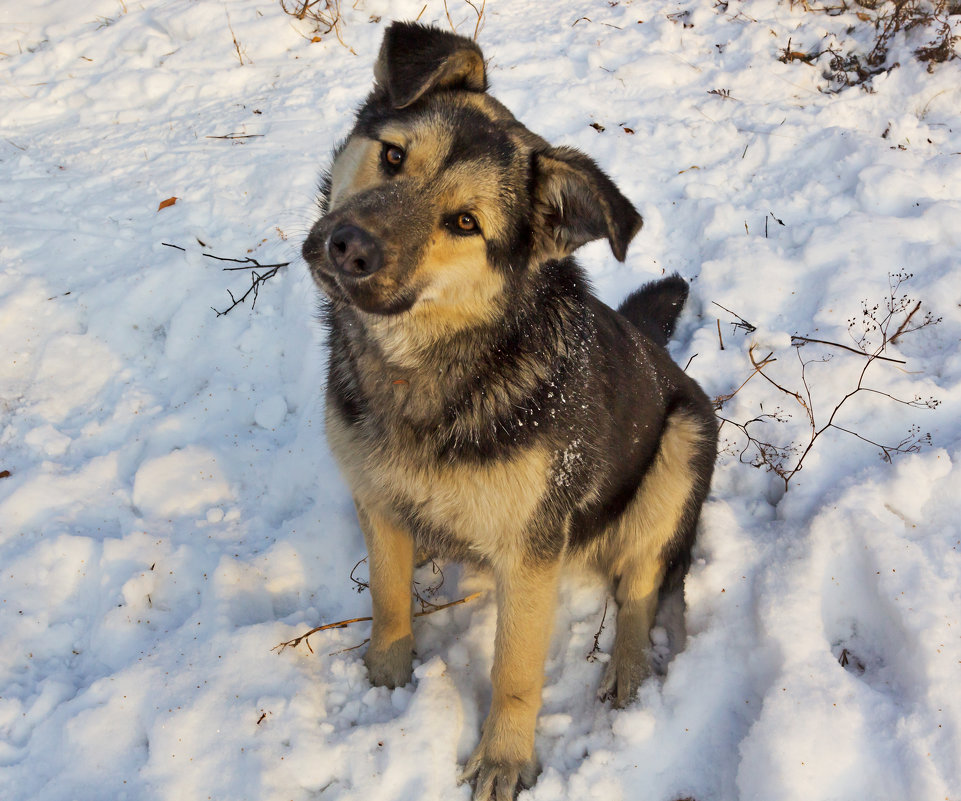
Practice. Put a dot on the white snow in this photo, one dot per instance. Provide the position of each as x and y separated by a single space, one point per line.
169 511
183 482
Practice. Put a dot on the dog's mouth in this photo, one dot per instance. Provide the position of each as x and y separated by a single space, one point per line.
350 267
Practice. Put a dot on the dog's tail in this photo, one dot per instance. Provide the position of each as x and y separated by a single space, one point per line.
655 307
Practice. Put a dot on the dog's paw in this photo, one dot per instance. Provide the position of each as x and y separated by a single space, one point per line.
391 666
622 679
498 781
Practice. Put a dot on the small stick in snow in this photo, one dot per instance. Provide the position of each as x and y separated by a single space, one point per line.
361 585
480 15
720 400
341 624
256 279
453 27
904 325
240 54
592 656
796 338
234 136
741 323
478 11
361 644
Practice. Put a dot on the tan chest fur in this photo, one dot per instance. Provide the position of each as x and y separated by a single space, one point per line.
488 507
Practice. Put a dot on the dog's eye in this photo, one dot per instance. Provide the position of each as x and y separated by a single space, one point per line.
392 157
463 223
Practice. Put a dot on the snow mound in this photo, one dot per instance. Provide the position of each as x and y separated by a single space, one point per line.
185 482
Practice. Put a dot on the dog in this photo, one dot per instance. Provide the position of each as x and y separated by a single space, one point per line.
482 403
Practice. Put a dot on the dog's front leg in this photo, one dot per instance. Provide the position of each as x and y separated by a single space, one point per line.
390 552
504 760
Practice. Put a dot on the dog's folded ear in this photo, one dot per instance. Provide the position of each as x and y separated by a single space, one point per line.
417 59
576 203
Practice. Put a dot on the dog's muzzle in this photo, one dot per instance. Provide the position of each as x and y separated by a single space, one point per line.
354 266
353 252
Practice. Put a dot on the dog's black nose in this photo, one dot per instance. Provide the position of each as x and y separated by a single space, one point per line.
354 252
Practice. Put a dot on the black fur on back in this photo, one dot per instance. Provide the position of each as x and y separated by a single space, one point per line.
655 307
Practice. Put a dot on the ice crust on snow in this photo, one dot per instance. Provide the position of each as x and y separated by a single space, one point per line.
170 511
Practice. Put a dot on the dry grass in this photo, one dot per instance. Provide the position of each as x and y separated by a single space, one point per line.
868 31
325 16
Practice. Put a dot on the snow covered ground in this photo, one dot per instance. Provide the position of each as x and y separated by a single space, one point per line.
169 511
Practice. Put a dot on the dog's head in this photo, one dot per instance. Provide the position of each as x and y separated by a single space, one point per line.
440 201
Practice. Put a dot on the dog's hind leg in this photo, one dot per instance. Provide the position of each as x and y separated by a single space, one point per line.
655 530
390 551
636 595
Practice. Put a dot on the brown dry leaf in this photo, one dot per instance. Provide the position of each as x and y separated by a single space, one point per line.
168 202
5 474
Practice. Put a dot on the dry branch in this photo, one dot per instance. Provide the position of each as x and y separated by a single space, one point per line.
796 338
720 400
876 322
741 322
234 136
341 624
479 12
237 48
905 323
592 656
256 279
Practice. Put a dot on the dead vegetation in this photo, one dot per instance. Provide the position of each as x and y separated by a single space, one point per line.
478 13
855 40
879 326
860 44
324 16
341 624
257 279
422 593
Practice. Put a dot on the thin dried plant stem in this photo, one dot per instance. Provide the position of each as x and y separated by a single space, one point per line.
758 369
240 55
480 15
478 11
797 338
787 460
341 624
720 400
904 325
